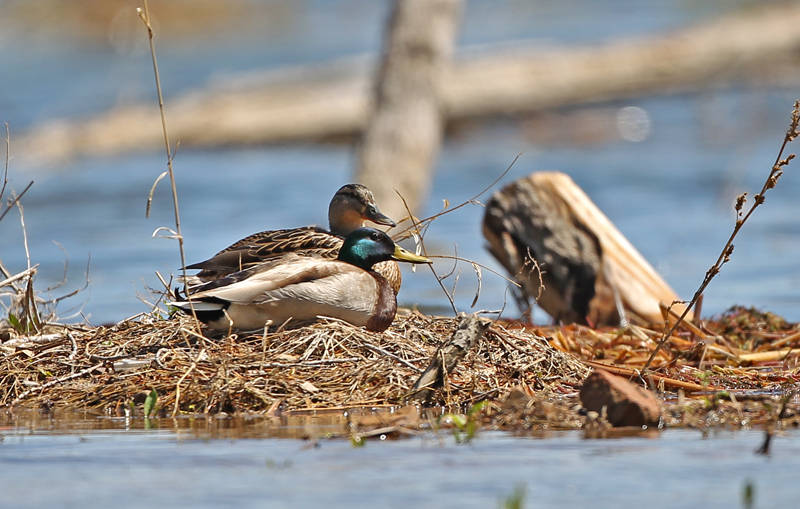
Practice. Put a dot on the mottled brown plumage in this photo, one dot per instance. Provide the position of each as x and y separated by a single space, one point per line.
301 288
350 208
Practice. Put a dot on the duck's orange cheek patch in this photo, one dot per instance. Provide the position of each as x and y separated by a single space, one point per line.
352 218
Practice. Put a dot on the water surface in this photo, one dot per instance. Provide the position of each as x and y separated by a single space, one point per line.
119 467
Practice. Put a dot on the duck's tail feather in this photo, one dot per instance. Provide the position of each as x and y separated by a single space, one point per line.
205 310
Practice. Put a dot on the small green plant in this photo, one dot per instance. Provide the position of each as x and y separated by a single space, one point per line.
357 440
150 407
14 322
150 403
465 426
516 500
748 494
278 465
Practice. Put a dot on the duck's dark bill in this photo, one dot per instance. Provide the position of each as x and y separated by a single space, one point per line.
407 256
376 217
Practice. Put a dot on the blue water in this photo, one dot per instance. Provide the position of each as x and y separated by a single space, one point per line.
117 468
670 194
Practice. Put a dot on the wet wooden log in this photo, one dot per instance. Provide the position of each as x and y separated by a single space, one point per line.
331 101
404 129
469 330
569 257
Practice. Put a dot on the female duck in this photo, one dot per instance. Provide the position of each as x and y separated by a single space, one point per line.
301 288
351 206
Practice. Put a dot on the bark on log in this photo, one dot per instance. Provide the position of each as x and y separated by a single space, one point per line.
467 334
404 130
331 101
587 267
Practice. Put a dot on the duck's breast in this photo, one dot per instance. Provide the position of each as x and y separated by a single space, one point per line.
349 294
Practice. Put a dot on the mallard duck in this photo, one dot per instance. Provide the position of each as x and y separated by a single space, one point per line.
301 288
350 208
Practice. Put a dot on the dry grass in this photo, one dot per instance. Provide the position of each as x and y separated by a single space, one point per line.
725 373
328 364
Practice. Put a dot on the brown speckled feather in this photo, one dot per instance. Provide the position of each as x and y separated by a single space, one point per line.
264 246
300 288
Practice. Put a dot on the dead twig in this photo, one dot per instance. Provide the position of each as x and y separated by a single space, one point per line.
416 223
55 382
5 167
15 200
741 218
178 385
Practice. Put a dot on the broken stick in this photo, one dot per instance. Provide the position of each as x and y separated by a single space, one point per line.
469 330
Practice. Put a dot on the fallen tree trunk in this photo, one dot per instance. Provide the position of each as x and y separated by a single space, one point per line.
331 101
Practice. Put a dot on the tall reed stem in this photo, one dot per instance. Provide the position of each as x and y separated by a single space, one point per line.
144 15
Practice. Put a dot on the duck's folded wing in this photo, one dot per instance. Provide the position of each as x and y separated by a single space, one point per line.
266 245
278 278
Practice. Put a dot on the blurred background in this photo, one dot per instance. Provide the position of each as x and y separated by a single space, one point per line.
664 165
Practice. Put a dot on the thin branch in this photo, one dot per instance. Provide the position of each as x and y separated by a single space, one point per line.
415 224
424 251
484 267
56 382
24 230
178 385
16 200
144 15
25 273
78 290
5 168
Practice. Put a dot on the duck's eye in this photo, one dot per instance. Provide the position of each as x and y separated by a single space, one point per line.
375 236
371 210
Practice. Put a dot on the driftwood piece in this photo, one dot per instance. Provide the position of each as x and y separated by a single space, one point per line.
588 269
404 129
469 330
331 100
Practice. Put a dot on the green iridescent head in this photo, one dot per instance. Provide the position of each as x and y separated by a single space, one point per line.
365 247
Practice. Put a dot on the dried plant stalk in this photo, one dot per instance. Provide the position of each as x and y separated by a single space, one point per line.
741 218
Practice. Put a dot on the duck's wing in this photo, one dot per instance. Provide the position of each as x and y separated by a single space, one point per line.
279 277
292 287
266 246
297 288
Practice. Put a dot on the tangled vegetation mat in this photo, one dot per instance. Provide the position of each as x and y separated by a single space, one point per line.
729 371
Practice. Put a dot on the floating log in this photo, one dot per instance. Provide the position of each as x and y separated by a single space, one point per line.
569 257
330 101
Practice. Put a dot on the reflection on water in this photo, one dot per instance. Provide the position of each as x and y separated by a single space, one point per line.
308 424
100 463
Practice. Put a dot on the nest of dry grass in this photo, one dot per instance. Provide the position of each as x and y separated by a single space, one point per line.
323 365
735 365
